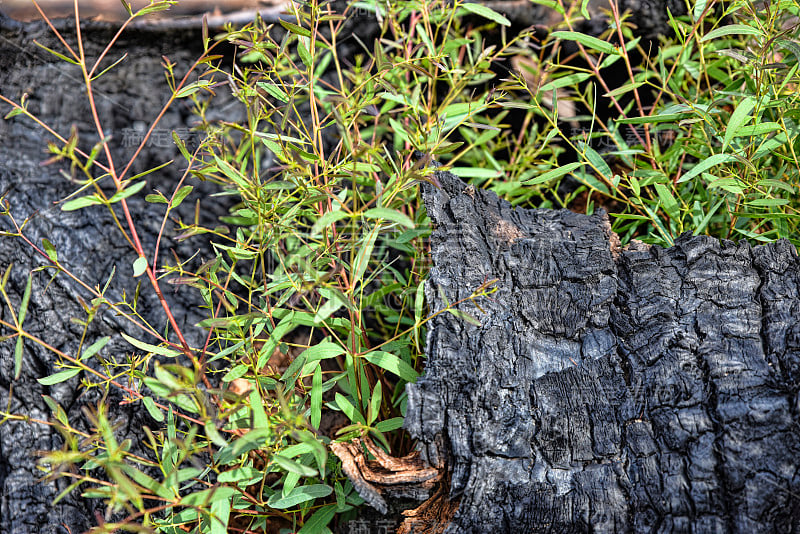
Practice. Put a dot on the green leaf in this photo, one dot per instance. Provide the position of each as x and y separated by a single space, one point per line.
475 172
732 185
316 397
389 424
393 364
768 202
50 250
759 129
296 450
127 7
654 119
213 434
464 316
375 403
157 198
706 164
202 498
241 474
154 411
668 201
586 40
252 440
419 303
299 495
59 56
23 310
147 482
447 147
181 194
58 377
294 28
699 8
771 182
624 89
390 215
80 202
349 410
400 131
335 300
318 522
551 4
260 419
565 81
139 266
704 223
125 193
18 353
329 218
94 348
236 371
235 176
731 29
318 450
154 7
739 117
791 46
274 91
291 466
584 10
13 113
147 347
220 513
303 52
770 146
552 175
192 88
597 162
26 297
362 257
320 351
486 13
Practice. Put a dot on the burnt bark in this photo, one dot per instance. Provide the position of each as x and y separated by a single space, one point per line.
607 390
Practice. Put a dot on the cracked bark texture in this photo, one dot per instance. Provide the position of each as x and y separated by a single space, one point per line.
128 98
645 390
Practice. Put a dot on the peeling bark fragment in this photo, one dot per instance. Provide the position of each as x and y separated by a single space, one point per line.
407 477
642 390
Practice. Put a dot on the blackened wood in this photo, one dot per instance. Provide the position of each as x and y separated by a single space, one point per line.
647 390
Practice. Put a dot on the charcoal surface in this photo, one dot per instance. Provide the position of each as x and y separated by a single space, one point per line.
88 243
645 390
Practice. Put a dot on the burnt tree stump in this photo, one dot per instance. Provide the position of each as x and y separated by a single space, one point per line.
607 390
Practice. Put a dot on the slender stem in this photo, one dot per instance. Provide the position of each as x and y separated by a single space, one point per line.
107 379
618 23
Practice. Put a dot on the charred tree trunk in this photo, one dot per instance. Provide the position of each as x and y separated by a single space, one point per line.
607 390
